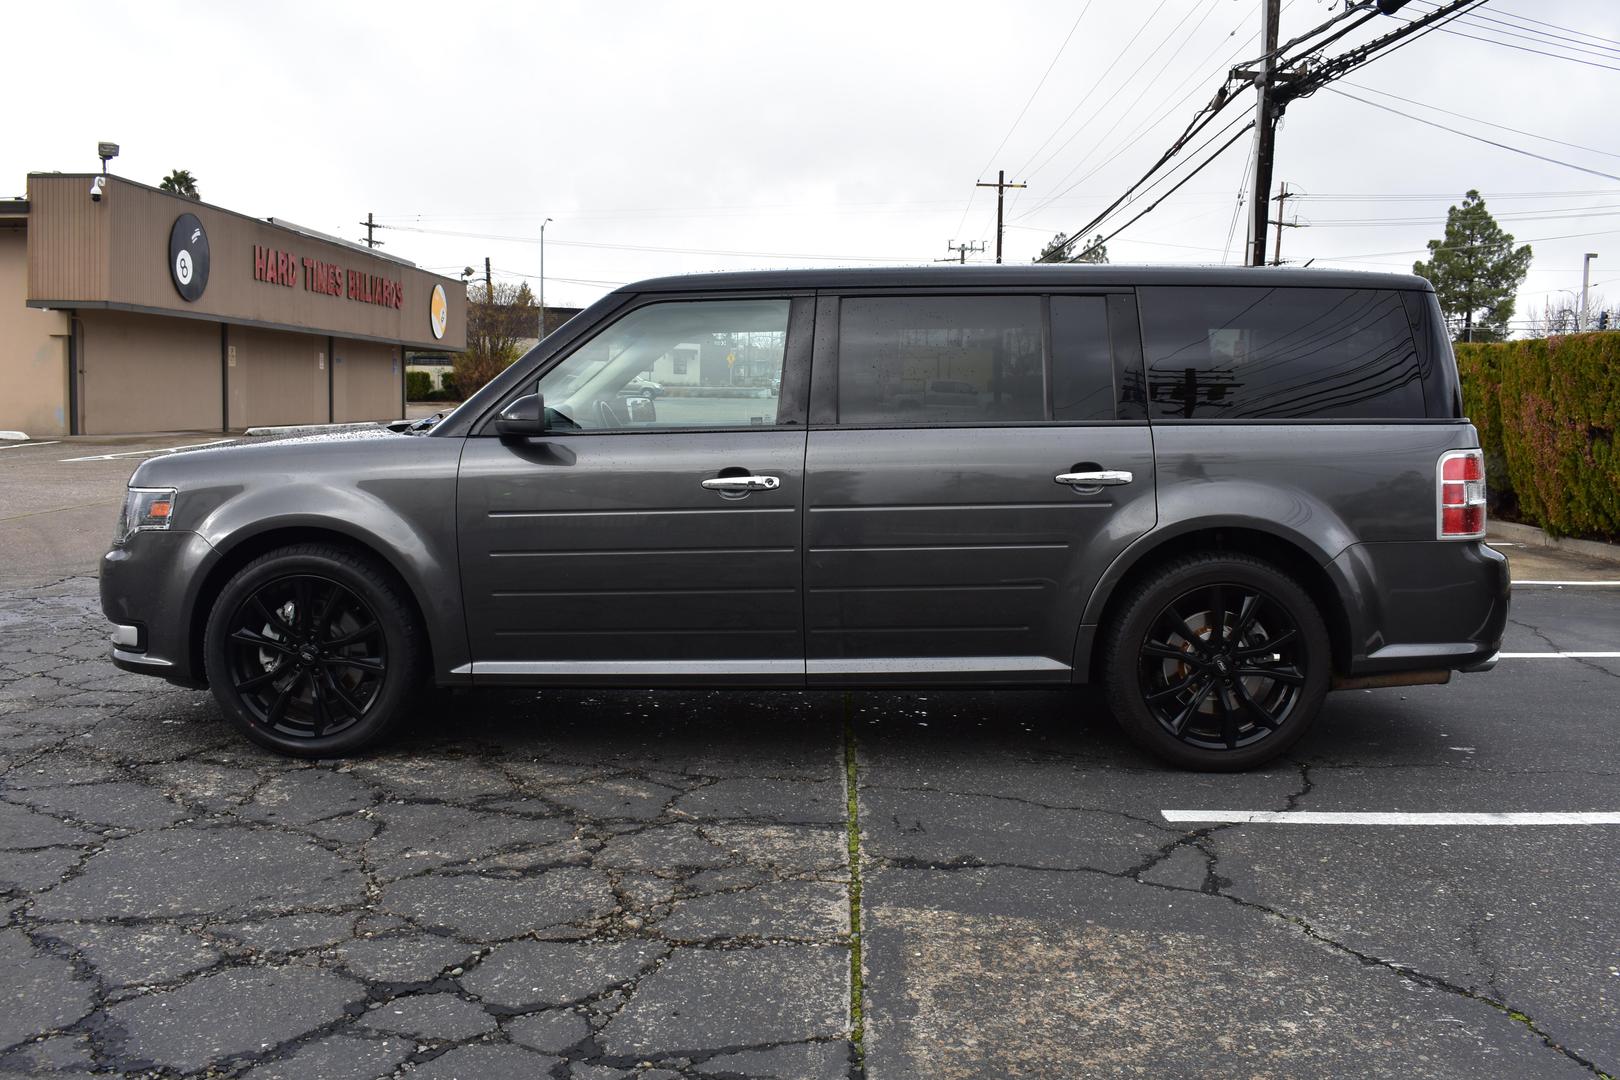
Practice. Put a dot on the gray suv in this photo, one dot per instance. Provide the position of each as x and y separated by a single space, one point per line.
1219 493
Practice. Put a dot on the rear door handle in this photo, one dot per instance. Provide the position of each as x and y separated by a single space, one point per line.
743 483
1100 478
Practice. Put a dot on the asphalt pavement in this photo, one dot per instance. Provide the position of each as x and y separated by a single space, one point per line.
660 884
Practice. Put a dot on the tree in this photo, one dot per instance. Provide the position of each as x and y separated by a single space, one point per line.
181 182
1058 251
1563 315
1476 272
495 326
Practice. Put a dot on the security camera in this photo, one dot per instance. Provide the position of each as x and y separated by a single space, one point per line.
95 188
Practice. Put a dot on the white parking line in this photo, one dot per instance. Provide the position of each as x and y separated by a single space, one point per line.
138 453
1321 817
1561 584
1557 655
25 445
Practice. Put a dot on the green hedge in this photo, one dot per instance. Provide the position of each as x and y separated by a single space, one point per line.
1547 410
418 385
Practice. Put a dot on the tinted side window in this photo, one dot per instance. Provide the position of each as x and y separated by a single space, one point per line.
1082 361
1279 353
940 360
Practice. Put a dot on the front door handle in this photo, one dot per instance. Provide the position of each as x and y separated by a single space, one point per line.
1098 479
736 484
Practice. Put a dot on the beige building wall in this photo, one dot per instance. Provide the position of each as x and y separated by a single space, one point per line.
148 373
366 383
279 378
33 349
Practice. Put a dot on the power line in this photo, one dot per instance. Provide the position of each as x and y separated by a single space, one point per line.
1526 48
648 247
1477 138
1487 123
1024 169
1132 139
1129 109
1555 26
1031 99
1542 37
1103 108
1201 167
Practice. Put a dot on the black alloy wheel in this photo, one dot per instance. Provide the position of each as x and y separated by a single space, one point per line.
1222 667
306 656
313 650
1217 662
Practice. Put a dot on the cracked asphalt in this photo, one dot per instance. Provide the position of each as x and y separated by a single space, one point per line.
657 884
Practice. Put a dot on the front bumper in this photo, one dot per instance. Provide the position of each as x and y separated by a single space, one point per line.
149 586
1421 605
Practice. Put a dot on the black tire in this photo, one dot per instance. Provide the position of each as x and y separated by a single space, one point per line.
314 650
1217 693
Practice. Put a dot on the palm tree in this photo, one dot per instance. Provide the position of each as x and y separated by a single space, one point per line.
181 182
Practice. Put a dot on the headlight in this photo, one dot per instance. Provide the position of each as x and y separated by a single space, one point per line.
145 508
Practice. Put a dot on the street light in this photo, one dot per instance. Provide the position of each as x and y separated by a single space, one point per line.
1586 281
543 225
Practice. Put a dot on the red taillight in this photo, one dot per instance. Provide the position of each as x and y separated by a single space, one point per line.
1462 495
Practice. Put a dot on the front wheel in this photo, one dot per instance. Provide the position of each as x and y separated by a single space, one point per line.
1217 662
312 650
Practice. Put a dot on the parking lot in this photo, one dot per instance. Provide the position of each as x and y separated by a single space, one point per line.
605 884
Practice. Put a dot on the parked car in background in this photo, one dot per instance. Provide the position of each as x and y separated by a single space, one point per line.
1219 493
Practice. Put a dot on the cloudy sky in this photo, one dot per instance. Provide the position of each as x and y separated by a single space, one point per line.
675 137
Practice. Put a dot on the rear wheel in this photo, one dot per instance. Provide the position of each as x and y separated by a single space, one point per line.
1217 662
313 650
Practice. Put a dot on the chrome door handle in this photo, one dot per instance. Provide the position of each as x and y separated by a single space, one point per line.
1100 478
743 483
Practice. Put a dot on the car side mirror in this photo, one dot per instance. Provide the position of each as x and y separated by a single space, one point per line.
524 418
641 410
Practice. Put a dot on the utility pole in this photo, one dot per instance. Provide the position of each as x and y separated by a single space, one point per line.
1265 132
370 227
1282 194
1586 282
489 283
962 250
1001 187
543 225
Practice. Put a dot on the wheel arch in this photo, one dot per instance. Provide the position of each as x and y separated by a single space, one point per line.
1291 553
247 546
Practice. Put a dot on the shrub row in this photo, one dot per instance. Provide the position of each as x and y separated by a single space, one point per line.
419 387
1547 409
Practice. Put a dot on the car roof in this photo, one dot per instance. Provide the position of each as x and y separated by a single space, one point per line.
1107 275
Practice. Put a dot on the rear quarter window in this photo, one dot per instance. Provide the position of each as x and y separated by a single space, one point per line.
1279 353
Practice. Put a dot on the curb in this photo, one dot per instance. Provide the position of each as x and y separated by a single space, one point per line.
312 429
13 436
1530 536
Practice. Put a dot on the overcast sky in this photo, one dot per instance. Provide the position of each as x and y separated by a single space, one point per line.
676 137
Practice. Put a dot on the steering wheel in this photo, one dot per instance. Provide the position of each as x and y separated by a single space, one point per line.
606 416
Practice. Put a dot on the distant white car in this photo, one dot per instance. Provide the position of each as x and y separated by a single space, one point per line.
641 386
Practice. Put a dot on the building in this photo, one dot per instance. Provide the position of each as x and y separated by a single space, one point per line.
124 308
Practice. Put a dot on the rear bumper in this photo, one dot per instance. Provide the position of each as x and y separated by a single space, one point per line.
1421 605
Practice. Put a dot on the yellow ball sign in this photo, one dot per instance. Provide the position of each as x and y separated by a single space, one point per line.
439 311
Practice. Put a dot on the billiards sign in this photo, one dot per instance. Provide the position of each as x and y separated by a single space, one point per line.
188 257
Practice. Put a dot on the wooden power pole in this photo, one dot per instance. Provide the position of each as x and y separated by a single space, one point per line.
371 230
1265 132
1001 187
1283 194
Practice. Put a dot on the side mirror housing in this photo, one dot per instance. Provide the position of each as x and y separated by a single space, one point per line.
523 419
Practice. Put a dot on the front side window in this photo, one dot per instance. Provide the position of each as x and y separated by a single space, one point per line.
689 364
940 360
1279 353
